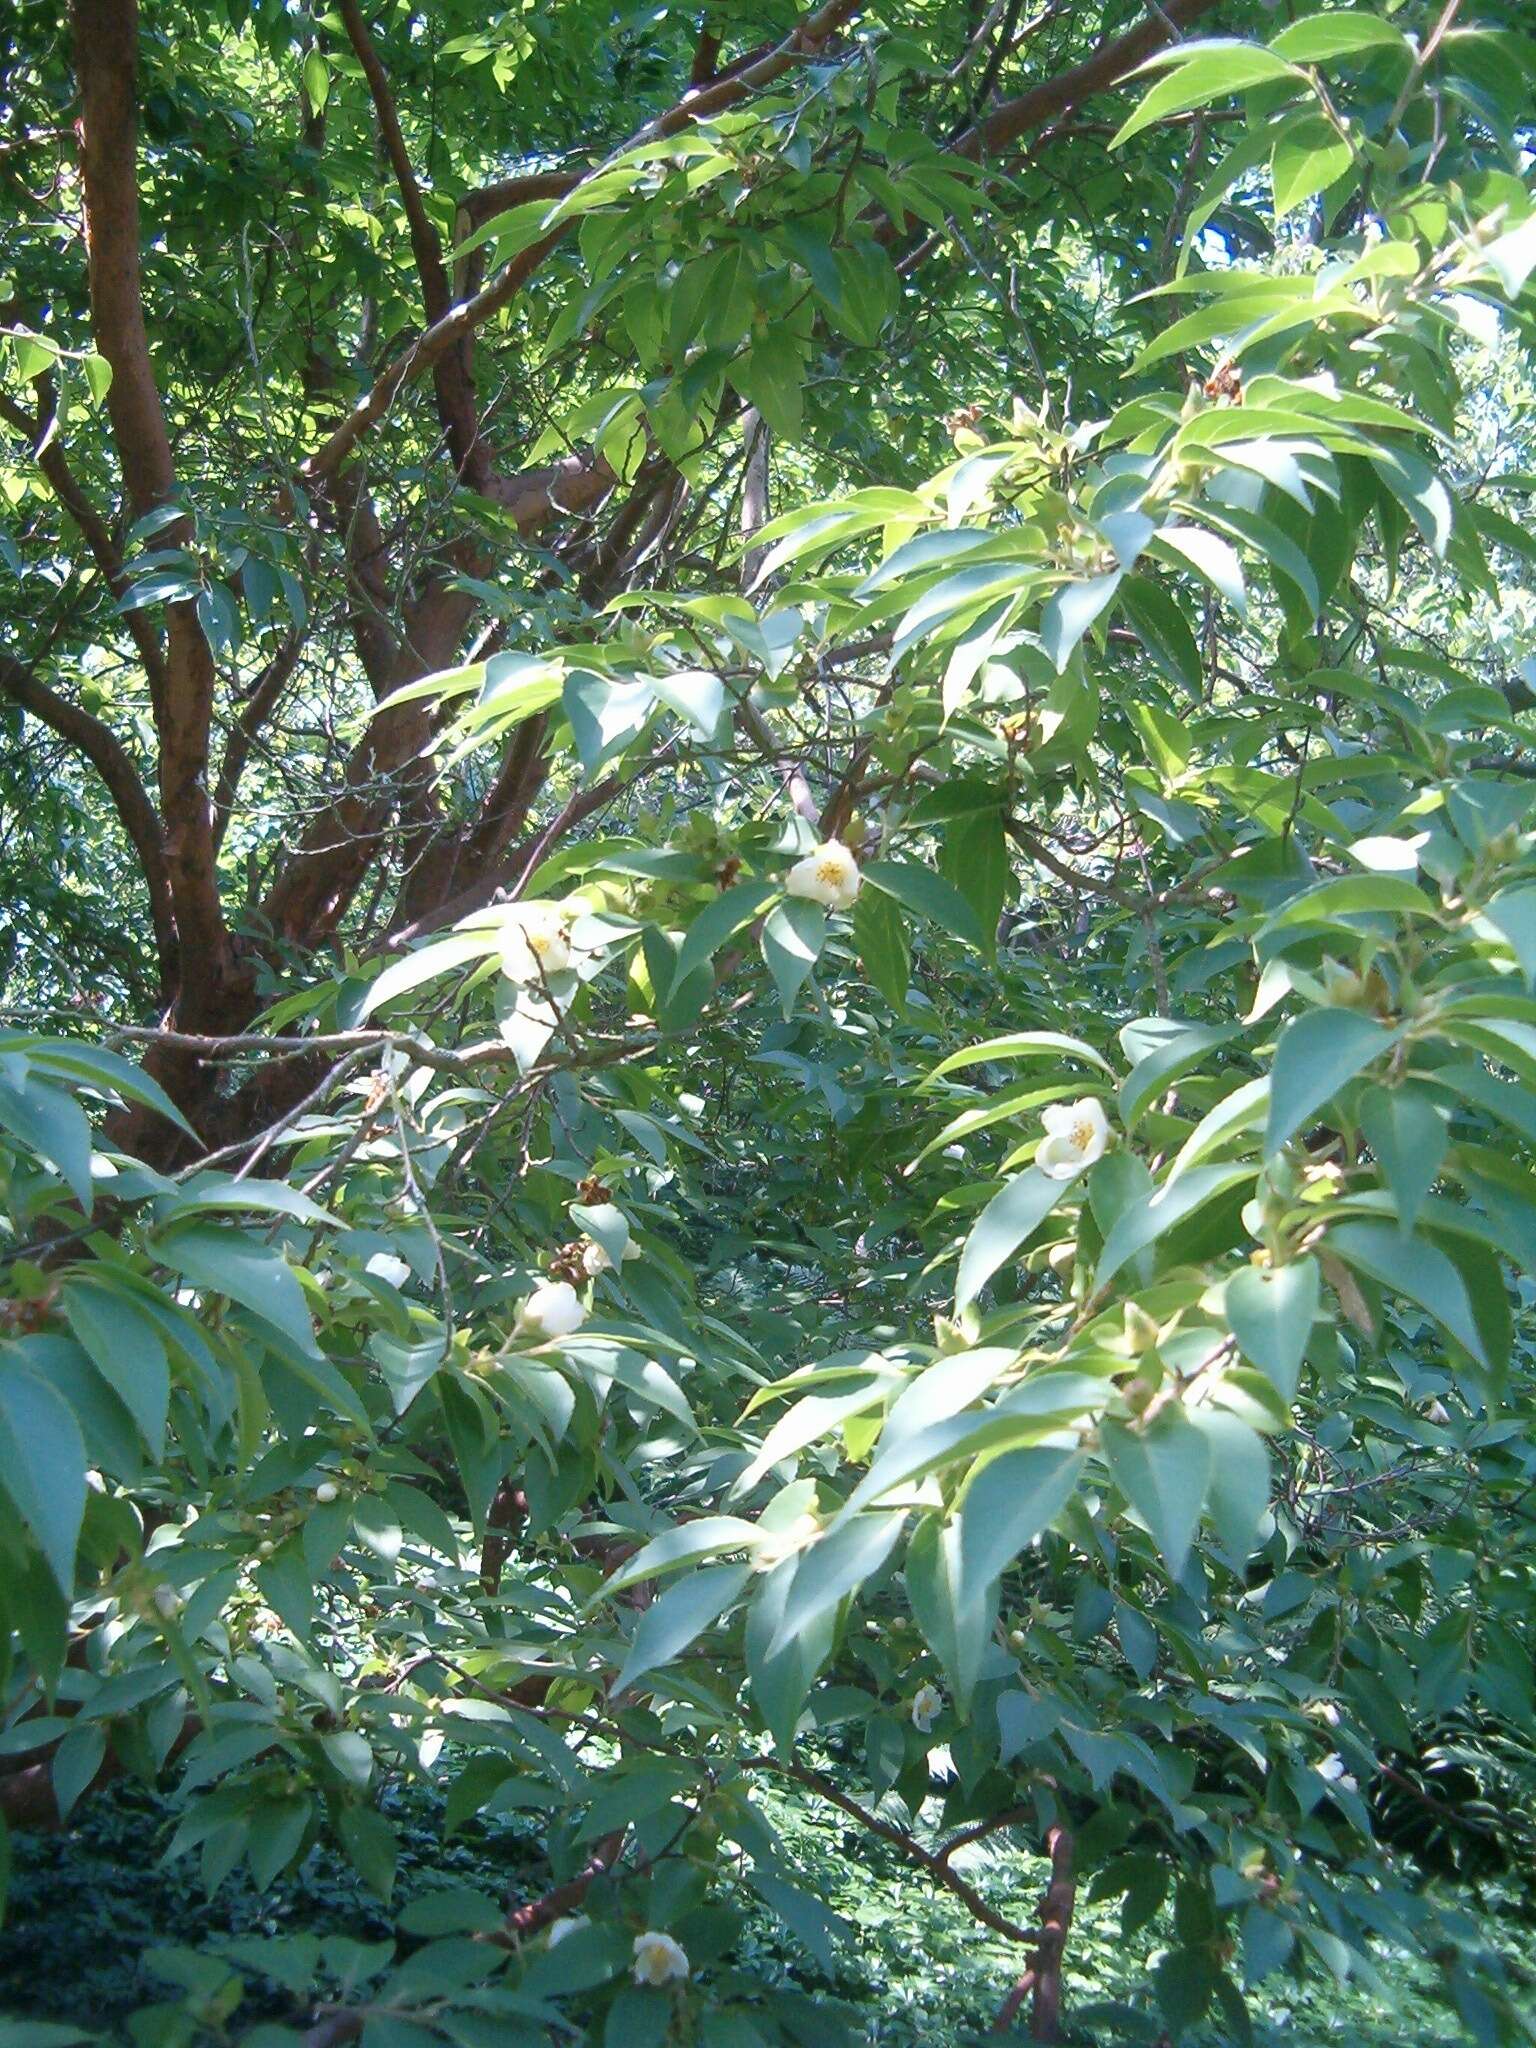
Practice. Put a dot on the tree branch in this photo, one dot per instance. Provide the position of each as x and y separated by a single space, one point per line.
106 61
452 382
802 42
486 201
311 895
258 708
1107 66
106 65
929 1860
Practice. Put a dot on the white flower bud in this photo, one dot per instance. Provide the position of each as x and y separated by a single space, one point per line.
554 1309
325 1492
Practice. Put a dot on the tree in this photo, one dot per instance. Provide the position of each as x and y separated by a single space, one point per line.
762 682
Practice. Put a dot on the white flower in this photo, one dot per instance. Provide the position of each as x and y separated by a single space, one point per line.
569 1923
554 1309
927 1705
594 1259
325 1492
1076 1133
658 1959
385 1266
535 942
828 875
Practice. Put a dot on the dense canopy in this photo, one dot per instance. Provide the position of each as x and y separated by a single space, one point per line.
769 946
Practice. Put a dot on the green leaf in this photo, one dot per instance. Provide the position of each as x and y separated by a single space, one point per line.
975 858
1031 1411
48 1122
1309 154
1317 37
984 594
881 938
206 1192
1318 1054
638 2018
1163 628
98 375
806 1423
426 964
1011 1216
694 694
1209 556
832 1568
161 586
771 376
42 1464
1409 1133
1512 913
1419 490
317 81
287 1588
1482 807
1270 1311
228 1262
926 894
686 1544
1009 1501
1238 1495
1174 1047
1413 1267
1512 257
126 1349
955 1606
719 921
803 1914
605 713
1143 1221
370 1843
781 1673
348 1753
1163 1471
794 933
1201 72
75 1763
1069 613
1021 1045
1346 896
103 1072
34 356
1278 549
679 1617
